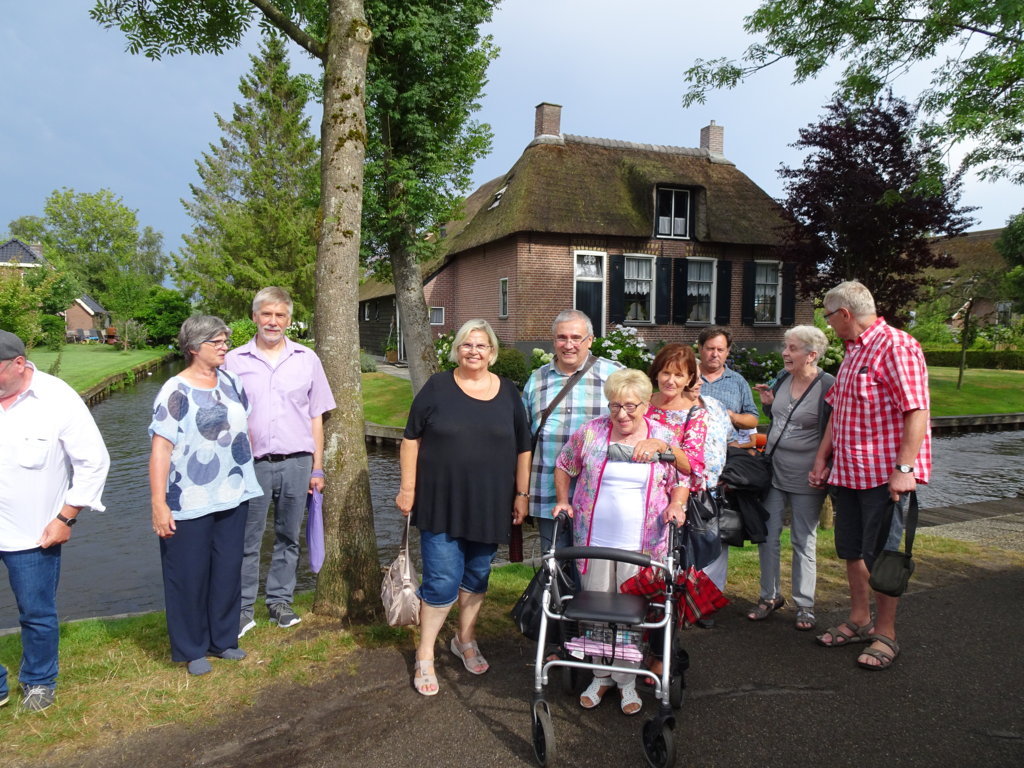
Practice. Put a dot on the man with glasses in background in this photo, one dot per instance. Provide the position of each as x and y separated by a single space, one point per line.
53 464
551 426
286 385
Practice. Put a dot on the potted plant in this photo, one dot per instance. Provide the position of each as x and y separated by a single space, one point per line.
391 351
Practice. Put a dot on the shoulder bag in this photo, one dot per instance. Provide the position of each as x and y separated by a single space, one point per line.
398 591
891 571
768 454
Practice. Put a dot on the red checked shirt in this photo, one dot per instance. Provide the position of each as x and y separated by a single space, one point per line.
882 377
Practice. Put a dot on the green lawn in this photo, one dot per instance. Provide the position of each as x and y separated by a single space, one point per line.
85 365
984 391
386 399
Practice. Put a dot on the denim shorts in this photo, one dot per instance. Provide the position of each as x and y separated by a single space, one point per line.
858 516
451 564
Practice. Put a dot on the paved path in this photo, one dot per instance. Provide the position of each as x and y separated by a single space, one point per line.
759 695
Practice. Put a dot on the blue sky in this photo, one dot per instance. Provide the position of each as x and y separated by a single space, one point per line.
80 112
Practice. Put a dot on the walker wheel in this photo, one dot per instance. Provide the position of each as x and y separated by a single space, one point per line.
659 745
543 734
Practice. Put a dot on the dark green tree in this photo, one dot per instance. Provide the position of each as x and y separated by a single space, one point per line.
163 313
865 202
425 76
255 207
973 47
336 33
1011 247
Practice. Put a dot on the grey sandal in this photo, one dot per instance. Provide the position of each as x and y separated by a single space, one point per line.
805 620
840 638
765 608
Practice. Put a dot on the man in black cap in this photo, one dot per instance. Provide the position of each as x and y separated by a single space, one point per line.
53 464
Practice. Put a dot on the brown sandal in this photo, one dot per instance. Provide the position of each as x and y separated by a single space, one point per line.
840 638
766 608
884 658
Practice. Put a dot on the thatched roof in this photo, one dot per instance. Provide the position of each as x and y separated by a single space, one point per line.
601 187
972 251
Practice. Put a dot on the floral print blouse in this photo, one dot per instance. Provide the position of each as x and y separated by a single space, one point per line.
714 438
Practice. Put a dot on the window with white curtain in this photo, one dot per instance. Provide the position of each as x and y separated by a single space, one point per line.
639 289
700 285
673 213
437 315
767 292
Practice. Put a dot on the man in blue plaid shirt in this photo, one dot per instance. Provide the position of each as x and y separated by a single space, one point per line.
573 334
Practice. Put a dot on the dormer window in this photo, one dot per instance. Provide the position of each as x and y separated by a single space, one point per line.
497 198
672 213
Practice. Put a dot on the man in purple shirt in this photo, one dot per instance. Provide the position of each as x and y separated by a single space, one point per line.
286 385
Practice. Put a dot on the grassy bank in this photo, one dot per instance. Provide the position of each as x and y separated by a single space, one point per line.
117 677
86 365
386 399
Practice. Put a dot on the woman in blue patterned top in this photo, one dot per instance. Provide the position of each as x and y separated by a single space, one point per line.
201 477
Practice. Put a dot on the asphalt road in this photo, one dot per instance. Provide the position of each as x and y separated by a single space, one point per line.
759 694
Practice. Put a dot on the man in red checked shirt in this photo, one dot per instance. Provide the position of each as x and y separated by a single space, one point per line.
879 440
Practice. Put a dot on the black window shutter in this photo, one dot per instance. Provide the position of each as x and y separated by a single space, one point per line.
663 289
723 293
788 294
616 288
747 309
679 309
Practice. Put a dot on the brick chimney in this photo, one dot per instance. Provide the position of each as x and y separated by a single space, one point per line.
548 121
712 138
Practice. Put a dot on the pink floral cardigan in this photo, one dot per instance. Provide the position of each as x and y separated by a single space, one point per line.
584 457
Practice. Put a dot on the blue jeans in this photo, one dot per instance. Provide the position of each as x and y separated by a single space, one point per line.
33 574
452 564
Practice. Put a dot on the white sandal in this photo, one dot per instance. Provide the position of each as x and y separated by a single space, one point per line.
631 701
592 697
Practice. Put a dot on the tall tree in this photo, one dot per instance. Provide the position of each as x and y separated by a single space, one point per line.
865 201
95 238
974 46
256 205
1011 247
350 576
425 76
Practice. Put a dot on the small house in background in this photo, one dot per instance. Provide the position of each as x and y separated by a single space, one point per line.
87 320
976 277
21 256
666 239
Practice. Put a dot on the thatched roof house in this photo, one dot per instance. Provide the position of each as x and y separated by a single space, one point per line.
669 239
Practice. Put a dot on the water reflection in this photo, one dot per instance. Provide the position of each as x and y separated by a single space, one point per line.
112 563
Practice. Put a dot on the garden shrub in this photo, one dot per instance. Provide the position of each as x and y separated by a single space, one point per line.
625 345
52 332
511 364
367 364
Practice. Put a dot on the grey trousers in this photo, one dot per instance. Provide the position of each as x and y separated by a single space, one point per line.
805 511
286 484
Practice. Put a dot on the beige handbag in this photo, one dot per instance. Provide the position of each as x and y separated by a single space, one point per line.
398 591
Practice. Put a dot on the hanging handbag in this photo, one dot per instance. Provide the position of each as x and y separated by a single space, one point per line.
398 591
891 571
703 541
730 522
527 611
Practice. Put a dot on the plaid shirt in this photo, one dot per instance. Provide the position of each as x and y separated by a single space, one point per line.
883 376
586 401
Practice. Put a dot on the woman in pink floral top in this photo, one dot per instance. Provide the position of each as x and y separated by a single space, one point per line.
677 405
624 499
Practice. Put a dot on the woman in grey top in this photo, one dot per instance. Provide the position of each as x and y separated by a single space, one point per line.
799 414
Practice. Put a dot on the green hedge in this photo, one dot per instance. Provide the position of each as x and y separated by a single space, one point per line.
1006 359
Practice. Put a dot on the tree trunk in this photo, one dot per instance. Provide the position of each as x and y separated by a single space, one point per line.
350 578
412 306
965 336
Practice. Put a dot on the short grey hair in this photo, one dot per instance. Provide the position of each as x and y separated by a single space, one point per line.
467 328
272 295
628 380
568 316
854 296
812 339
196 330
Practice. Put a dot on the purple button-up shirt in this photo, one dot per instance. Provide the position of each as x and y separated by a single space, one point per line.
285 397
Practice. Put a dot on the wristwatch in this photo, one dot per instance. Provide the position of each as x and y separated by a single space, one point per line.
68 521
906 469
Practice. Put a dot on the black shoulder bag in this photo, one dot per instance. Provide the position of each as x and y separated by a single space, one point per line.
890 573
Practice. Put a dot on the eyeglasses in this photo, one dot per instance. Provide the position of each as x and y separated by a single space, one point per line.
574 340
629 407
218 344
475 347
827 315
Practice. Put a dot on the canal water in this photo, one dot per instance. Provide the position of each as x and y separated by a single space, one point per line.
112 563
